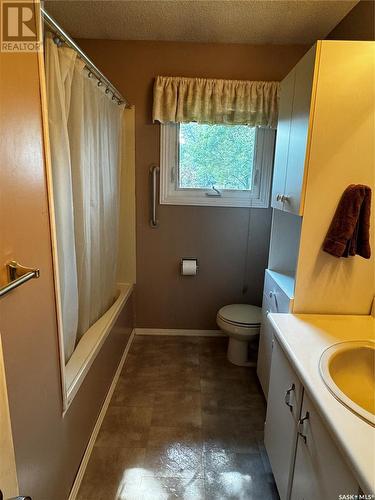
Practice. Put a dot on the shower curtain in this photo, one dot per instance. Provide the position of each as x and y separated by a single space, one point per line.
85 130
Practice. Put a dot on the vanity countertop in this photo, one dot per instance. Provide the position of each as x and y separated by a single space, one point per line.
303 338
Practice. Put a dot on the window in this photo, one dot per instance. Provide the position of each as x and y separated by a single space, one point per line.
217 165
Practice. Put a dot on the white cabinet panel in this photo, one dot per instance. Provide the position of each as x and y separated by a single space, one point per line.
284 402
304 75
276 301
284 244
265 347
282 138
278 297
292 135
320 471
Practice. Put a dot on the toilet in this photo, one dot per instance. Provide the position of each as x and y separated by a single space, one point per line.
241 322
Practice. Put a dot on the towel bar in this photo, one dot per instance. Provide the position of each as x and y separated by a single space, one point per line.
17 276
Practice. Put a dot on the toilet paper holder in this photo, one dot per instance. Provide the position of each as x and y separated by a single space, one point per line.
188 259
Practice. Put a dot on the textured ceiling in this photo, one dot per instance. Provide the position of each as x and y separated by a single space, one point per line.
220 21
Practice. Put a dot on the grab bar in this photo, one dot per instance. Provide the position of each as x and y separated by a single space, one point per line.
154 170
17 276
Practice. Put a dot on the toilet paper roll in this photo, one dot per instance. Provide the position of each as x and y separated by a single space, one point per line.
189 267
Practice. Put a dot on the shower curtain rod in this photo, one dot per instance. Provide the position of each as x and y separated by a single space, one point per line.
62 35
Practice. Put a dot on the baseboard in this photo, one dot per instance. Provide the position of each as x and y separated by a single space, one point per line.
95 432
178 332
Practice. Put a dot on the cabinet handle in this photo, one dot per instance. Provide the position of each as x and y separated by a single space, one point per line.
274 296
288 397
302 426
282 198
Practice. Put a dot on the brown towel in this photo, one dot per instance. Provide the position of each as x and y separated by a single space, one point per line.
349 232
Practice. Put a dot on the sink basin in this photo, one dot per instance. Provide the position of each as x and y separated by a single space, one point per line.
348 370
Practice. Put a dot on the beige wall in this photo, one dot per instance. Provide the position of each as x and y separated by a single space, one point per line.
216 236
359 24
48 446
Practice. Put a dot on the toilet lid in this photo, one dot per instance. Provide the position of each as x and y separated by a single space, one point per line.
242 314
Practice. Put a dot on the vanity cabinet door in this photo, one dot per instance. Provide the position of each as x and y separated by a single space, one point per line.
319 471
282 139
283 411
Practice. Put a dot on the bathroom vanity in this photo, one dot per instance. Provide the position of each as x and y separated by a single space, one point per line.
317 446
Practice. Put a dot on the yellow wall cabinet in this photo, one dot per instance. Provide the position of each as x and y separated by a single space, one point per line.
325 141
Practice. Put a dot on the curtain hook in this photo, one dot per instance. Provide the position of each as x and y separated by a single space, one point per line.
90 74
100 83
57 41
107 90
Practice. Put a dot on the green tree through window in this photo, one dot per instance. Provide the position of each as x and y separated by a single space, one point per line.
219 155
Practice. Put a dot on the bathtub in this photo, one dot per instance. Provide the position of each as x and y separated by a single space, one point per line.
91 342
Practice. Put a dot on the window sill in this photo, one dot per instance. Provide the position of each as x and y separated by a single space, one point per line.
213 201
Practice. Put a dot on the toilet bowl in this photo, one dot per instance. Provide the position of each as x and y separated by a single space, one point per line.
241 322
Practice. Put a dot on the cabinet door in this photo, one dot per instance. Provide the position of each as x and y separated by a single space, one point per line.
320 471
283 410
282 138
265 347
304 74
274 301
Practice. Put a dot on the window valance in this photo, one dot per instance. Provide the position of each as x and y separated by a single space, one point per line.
181 100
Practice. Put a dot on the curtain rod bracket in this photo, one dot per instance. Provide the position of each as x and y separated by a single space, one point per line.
60 37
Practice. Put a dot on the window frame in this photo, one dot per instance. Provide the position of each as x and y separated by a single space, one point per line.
259 197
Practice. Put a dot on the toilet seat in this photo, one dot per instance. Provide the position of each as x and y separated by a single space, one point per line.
241 315
240 332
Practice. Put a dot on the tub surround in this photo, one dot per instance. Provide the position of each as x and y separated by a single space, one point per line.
90 344
303 338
